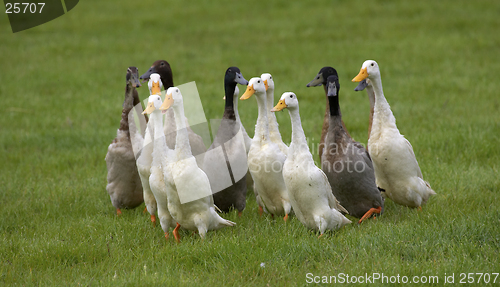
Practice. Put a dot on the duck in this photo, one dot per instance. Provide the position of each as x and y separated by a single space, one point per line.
228 144
347 164
198 148
265 159
308 188
274 131
366 84
396 168
192 205
145 159
160 179
123 181
319 80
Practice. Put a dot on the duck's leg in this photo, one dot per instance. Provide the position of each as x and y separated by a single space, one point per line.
176 233
118 212
240 213
370 212
261 210
285 218
166 235
153 219
145 210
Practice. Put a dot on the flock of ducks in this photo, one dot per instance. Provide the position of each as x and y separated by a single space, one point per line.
181 181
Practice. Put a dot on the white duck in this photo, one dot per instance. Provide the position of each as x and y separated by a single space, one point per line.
145 158
274 132
265 159
192 205
160 180
308 188
367 84
124 185
396 168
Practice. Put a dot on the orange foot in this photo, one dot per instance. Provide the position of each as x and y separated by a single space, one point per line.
320 235
261 210
176 233
118 212
369 213
153 219
166 236
285 218
240 213
145 210
419 208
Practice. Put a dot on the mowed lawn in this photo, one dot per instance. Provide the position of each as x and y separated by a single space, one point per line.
62 86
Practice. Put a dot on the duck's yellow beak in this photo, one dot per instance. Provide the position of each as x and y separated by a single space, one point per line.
149 109
248 93
279 106
155 88
363 74
265 83
167 103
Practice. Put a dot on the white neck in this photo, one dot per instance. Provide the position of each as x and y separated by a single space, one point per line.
235 108
382 111
299 140
271 117
262 128
182 146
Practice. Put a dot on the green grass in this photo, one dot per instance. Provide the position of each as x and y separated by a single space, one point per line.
62 90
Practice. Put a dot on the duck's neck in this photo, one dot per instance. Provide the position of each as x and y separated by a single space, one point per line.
182 146
131 99
382 114
159 145
271 117
229 109
262 128
371 97
334 108
299 140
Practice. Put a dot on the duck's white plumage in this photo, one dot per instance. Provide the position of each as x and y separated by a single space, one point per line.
396 168
265 159
192 205
124 185
160 179
308 188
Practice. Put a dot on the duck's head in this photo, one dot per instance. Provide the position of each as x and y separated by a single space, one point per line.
233 75
288 100
333 86
368 70
255 86
321 77
363 84
173 97
161 67
154 104
133 77
268 81
155 84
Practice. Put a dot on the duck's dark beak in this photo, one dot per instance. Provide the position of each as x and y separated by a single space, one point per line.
361 86
240 80
332 89
317 81
145 77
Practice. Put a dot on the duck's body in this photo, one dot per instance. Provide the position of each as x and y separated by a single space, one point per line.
319 80
230 139
160 179
145 160
192 205
198 148
347 164
308 188
124 184
396 168
265 159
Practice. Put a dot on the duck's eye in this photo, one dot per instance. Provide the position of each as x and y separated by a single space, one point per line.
258 82
373 64
162 64
291 96
177 90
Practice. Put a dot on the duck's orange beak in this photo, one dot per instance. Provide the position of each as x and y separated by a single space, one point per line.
155 88
265 83
149 109
279 106
167 103
363 74
248 93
